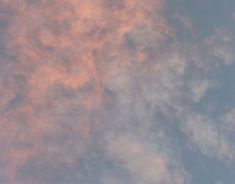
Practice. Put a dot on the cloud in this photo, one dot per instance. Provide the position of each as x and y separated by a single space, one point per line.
56 68
102 77
145 162
228 120
221 45
204 134
198 89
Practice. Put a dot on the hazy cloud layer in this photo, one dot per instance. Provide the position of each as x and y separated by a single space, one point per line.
110 92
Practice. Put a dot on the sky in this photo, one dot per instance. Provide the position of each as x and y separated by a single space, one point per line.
117 91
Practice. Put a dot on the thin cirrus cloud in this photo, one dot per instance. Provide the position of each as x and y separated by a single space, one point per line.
103 91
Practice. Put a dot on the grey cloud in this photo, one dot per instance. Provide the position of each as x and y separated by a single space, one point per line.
221 45
205 134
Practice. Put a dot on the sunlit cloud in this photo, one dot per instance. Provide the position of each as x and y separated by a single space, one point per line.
101 90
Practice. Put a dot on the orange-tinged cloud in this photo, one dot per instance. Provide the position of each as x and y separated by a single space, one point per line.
65 45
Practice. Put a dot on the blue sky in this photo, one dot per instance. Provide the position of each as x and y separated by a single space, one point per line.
117 92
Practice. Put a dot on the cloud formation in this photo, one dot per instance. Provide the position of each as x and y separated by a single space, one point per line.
94 91
221 45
